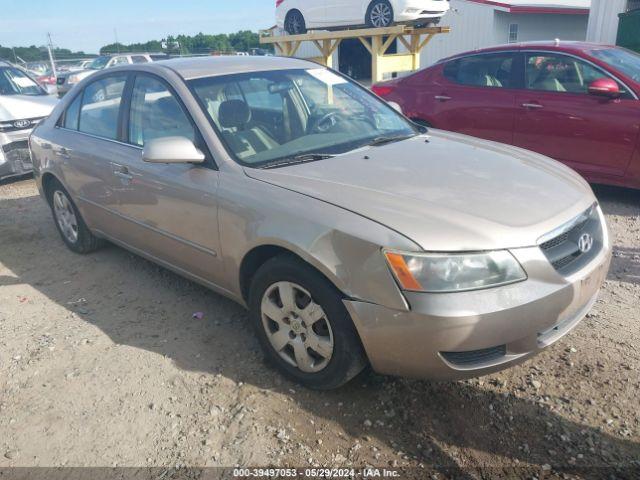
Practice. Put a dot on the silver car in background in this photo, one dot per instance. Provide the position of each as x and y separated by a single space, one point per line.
353 236
23 103
67 80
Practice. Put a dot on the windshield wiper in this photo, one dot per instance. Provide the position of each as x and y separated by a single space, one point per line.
378 141
297 159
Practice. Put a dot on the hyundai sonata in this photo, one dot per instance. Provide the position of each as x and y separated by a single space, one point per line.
296 16
353 236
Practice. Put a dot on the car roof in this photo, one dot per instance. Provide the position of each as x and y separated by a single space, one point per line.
198 67
551 45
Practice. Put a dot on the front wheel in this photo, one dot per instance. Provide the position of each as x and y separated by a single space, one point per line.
380 14
303 326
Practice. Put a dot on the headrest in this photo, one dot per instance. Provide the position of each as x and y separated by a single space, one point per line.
234 114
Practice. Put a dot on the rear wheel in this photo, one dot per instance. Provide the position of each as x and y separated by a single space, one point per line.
303 326
70 225
380 14
295 24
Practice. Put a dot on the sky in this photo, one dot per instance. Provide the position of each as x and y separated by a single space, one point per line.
88 25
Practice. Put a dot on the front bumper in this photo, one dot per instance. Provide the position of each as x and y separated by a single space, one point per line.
414 10
15 158
468 334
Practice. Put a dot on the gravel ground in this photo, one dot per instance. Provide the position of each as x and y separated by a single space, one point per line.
102 364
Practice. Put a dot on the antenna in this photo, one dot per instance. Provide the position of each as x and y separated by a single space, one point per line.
50 48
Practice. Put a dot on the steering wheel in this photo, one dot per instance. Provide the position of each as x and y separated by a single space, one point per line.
326 122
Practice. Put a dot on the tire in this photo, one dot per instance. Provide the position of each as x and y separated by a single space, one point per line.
380 14
71 227
342 356
294 23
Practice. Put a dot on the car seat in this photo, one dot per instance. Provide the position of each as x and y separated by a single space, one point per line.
244 138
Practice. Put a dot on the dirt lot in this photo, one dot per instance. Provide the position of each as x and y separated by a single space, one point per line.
102 364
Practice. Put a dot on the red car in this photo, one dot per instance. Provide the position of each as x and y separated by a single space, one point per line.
575 102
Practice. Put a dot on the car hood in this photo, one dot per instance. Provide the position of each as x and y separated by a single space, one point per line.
16 107
445 191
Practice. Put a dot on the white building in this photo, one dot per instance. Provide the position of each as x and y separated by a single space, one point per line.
484 23
603 21
478 24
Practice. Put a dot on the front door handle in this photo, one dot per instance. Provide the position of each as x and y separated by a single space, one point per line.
442 98
532 106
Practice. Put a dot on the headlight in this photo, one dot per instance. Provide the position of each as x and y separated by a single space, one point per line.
73 79
439 273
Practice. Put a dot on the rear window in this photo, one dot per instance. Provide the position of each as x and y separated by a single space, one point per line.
492 71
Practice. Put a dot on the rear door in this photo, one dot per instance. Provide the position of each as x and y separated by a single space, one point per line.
168 211
474 95
86 142
559 118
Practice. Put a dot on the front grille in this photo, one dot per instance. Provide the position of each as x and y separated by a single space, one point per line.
475 357
19 145
61 80
562 247
19 124
18 154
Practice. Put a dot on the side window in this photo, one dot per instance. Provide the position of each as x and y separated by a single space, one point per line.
101 106
138 59
72 114
560 73
492 71
257 95
156 113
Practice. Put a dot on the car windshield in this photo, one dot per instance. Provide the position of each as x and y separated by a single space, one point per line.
16 82
625 61
274 117
99 63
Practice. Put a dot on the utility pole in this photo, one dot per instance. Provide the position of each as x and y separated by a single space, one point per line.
15 57
115 32
50 48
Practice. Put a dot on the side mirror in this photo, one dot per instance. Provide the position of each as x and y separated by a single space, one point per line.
395 106
605 87
171 150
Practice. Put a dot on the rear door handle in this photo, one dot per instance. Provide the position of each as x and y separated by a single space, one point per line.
532 106
442 98
124 176
62 152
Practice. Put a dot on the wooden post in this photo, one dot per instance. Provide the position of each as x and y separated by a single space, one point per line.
374 41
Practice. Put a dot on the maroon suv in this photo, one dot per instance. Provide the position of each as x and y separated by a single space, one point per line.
575 102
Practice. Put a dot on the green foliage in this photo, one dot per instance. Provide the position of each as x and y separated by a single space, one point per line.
34 54
201 43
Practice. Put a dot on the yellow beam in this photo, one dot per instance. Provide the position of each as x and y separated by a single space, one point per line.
361 32
373 40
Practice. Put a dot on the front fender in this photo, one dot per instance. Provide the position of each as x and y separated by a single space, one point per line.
342 245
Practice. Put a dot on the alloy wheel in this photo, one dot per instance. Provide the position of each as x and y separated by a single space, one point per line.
381 15
297 328
65 216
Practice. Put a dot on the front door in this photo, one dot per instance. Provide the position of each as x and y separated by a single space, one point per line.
168 211
559 118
